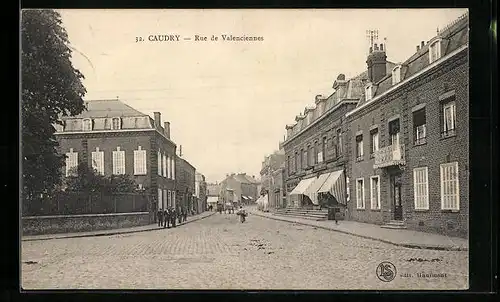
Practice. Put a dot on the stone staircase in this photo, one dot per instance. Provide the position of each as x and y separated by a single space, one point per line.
394 224
316 215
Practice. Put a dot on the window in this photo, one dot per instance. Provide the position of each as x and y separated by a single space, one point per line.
160 199
165 198
169 198
159 162
173 168
116 123
118 161
173 199
419 127
321 155
311 156
449 118
304 159
169 167
375 192
348 197
394 132
449 187
360 193
87 124
421 188
434 51
140 161
368 92
164 165
71 163
339 141
359 147
289 164
98 161
396 75
374 141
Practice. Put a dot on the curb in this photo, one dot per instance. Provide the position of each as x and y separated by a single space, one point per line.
113 232
407 245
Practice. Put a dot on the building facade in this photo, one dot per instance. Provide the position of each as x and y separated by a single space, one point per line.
315 147
408 138
116 139
200 193
186 184
272 165
239 188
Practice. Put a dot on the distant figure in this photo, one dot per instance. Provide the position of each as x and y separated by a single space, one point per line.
242 214
179 215
184 215
160 217
167 217
173 216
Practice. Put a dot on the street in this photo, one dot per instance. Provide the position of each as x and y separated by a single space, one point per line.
219 252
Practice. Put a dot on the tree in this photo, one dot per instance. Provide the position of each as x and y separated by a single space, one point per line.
89 180
51 87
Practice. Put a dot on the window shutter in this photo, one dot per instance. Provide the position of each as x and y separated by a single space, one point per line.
159 162
164 165
136 162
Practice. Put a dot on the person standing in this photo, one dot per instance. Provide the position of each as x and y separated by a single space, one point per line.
160 217
184 216
173 216
167 217
179 215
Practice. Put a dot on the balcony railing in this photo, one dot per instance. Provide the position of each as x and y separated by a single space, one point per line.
393 155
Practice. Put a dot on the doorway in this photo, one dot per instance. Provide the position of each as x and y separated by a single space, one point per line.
395 181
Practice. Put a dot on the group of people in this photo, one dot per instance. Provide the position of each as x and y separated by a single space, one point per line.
170 216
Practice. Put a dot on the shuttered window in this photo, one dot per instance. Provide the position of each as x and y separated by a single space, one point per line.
160 199
360 193
98 161
140 161
450 199
71 162
169 167
173 168
421 188
118 162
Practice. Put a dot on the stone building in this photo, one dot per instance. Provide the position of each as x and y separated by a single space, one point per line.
408 138
116 139
272 165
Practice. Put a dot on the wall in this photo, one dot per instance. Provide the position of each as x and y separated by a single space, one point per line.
82 223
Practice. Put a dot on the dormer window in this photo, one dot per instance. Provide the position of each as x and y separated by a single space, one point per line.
368 92
434 51
396 75
87 124
116 123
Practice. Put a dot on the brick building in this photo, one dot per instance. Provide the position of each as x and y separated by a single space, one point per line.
408 138
186 185
315 147
115 139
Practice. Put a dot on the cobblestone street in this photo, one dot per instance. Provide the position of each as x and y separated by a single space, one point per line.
219 252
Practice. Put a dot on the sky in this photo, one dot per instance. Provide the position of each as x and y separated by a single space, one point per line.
228 102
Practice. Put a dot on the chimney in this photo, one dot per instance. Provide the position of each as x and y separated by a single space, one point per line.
376 63
166 126
422 44
157 120
418 47
180 150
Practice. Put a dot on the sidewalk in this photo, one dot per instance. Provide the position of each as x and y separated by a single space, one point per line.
404 238
145 228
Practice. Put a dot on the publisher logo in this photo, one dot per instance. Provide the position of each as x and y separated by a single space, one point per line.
386 271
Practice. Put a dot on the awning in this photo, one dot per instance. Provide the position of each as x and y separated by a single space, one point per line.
312 190
245 197
302 186
335 185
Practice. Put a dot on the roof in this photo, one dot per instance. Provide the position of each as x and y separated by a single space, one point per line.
107 108
451 38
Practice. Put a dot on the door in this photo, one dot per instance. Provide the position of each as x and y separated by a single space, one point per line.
396 197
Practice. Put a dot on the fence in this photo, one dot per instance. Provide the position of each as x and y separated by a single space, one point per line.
73 203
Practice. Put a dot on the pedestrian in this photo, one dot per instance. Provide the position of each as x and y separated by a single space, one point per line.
167 217
173 216
179 215
185 214
160 217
